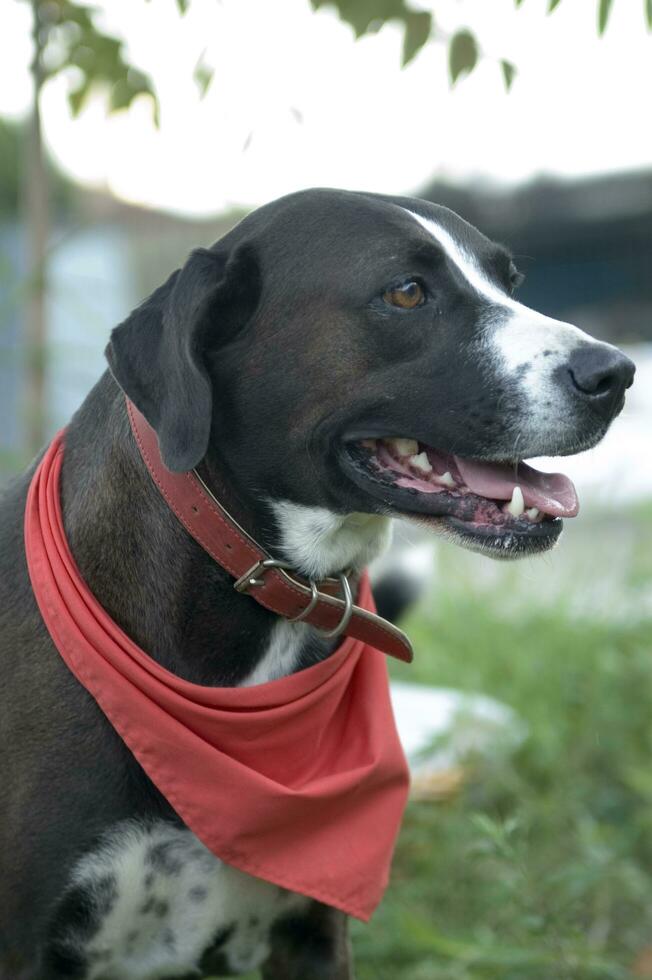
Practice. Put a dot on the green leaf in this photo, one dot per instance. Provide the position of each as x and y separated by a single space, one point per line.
604 9
518 2
552 4
98 57
203 76
417 31
156 110
648 13
78 96
183 6
120 96
362 14
509 71
462 55
369 16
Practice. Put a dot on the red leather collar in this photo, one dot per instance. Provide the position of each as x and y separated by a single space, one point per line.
256 573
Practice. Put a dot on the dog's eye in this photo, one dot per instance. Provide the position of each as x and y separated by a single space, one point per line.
515 277
407 296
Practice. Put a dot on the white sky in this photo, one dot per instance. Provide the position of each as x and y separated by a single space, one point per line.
579 104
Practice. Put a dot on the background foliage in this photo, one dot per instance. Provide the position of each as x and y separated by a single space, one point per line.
73 40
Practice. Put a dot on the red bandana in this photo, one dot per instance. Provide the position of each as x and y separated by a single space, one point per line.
300 781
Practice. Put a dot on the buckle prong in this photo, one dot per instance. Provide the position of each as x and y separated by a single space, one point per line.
249 580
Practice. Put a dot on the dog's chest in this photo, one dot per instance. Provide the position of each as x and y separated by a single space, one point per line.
153 902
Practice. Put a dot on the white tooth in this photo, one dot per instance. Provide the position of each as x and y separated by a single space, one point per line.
447 480
420 462
403 447
368 443
516 506
532 513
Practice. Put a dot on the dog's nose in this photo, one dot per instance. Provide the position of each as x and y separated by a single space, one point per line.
601 374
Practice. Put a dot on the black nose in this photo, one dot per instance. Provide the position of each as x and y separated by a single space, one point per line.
601 375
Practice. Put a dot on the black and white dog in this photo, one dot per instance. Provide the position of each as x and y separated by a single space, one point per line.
336 359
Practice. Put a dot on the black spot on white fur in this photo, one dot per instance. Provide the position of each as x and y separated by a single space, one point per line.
197 893
77 920
162 858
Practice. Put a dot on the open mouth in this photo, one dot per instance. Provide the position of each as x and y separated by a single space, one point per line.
506 509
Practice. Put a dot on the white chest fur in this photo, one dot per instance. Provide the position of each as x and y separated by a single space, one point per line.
159 901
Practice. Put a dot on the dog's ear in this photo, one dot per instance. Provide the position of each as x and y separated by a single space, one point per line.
158 354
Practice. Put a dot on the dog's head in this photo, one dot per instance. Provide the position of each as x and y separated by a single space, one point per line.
357 354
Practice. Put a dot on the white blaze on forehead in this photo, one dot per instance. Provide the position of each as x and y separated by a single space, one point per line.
516 335
522 316
465 262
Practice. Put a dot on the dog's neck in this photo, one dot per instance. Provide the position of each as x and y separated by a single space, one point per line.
318 542
161 587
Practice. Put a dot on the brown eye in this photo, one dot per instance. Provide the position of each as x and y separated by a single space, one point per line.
407 296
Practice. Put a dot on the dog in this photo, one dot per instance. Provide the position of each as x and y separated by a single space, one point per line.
334 361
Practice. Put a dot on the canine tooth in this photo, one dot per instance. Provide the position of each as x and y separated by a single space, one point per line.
516 506
447 480
403 447
533 513
421 462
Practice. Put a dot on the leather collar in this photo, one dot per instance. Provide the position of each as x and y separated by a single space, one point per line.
262 577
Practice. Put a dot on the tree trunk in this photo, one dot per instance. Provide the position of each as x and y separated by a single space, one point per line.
37 219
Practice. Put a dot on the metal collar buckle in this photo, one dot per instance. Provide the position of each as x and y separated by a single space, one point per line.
251 579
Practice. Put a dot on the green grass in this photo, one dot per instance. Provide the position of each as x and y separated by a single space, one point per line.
541 869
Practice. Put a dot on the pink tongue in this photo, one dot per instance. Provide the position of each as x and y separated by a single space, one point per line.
552 493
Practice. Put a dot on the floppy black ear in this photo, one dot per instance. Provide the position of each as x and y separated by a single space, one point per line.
158 354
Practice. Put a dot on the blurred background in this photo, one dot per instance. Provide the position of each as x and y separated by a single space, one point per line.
132 131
